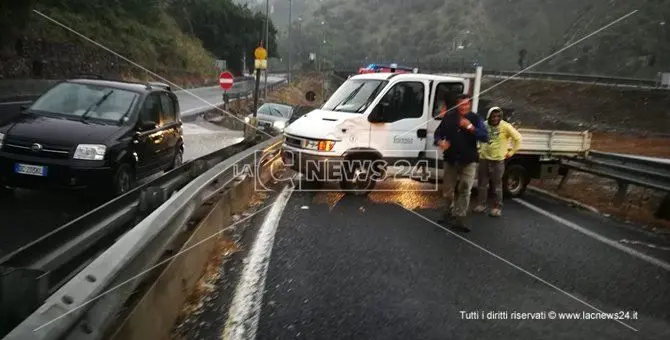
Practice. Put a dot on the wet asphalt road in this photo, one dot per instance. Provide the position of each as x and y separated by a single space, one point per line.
27 214
346 267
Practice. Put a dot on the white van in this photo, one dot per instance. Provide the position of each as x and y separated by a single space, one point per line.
381 119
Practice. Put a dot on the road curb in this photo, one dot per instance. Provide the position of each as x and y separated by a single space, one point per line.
569 201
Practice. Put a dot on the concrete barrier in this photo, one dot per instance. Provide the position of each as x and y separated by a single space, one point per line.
157 310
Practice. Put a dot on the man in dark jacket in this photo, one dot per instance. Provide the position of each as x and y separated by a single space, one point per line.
457 135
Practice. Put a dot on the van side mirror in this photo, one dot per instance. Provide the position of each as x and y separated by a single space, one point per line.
148 125
377 114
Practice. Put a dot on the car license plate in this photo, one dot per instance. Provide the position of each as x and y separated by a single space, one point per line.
33 170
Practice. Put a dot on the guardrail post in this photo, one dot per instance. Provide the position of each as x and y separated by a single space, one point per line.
663 211
151 198
564 179
621 193
198 168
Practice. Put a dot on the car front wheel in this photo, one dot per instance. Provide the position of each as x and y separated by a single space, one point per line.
178 159
123 180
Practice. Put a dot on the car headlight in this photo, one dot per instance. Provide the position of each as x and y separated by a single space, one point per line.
319 145
280 125
2 138
247 120
93 152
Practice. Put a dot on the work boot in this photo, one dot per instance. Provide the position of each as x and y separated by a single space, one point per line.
479 209
447 218
461 223
495 212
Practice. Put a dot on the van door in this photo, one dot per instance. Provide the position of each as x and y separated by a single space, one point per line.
402 132
442 101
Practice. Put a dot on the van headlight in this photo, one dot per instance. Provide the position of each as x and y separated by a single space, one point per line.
2 138
279 125
92 152
319 145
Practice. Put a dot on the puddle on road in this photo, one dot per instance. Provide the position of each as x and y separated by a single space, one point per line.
330 198
406 192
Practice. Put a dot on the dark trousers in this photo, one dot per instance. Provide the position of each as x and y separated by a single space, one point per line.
490 171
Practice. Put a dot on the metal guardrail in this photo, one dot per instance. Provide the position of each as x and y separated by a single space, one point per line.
571 77
238 95
33 272
83 308
583 78
653 173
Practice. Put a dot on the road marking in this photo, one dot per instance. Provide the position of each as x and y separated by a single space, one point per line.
645 244
513 265
603 239
244 312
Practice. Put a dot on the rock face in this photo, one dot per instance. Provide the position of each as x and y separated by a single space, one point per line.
499 34
33 66
572 106
49 60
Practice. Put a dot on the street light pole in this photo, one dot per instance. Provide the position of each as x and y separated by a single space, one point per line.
290 43
267 43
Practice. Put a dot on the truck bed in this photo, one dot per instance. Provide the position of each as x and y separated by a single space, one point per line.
554 142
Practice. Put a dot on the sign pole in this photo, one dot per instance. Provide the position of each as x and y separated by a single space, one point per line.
225 99
260 63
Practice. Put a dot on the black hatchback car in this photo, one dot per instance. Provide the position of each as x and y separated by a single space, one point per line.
85 133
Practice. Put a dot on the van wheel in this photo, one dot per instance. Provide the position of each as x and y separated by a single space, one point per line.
515 180
123 180
359 181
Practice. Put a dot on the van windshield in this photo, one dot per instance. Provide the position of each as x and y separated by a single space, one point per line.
355 95
85 101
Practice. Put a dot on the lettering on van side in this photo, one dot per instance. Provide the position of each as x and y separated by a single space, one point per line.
402 140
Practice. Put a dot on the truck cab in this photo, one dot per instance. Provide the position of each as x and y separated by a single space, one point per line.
379 121
378 117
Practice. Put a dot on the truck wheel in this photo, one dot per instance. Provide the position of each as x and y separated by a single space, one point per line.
359 182
515 180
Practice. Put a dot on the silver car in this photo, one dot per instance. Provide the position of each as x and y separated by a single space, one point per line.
274 117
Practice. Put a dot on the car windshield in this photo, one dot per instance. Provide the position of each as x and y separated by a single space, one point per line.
85 101
277 110
355 95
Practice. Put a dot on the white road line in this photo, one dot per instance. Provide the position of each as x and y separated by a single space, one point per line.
596 236
244 312
514 265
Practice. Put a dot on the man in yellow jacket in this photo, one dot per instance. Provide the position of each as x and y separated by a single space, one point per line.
504 141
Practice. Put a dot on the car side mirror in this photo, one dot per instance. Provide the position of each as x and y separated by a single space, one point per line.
24 107
148 125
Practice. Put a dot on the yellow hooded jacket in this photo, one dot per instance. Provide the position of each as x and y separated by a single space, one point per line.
499 139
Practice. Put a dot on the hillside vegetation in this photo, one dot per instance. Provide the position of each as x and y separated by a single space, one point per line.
175 37
492 32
